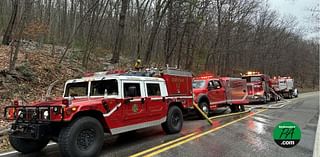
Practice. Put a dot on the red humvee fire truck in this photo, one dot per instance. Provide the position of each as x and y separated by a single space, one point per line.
98 104
284 86
211 93
259 87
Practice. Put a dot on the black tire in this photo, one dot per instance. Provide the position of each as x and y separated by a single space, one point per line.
234 108
204 108
291 94
174 120
242 108
27 145
84 137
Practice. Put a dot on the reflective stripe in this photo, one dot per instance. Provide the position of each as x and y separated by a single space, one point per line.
218 102
113 110
224 101
180 97
135 100
156 98
137 126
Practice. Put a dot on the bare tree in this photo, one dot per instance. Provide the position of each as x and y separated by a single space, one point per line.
8 33
120 34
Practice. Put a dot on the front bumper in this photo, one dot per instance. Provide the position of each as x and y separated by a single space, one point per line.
255 98
30 131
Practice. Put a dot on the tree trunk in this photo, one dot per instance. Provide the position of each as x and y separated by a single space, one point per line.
156 23
7 37
24 20
120 35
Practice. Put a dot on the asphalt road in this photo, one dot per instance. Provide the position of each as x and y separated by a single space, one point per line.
247 134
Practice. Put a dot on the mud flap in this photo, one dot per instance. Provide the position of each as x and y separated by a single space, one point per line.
203 114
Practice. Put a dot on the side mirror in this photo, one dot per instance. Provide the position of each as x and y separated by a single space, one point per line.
127 101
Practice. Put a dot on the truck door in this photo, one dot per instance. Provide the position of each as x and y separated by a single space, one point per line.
134 107
155 105
219 92
216 92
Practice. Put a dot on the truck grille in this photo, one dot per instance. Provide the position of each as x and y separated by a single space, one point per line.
32 113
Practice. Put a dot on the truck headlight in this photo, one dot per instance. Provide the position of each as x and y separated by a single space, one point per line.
20 114
46 114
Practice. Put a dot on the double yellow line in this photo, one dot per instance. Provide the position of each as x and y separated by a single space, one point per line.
174 143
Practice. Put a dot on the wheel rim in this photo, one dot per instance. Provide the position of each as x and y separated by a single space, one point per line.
205 109
176 119
86 138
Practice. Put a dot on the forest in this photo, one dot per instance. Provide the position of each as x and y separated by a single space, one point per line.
226 37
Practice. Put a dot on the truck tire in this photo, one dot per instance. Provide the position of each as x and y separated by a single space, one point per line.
174 120
290 94
234 108
296 93
204 108
27 145
83 137
242 108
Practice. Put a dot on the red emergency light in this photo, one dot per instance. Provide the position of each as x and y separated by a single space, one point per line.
88 74
205 75
252 73
115 72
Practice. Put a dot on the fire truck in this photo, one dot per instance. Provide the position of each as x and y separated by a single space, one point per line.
284 86
102 103
259 87
212 92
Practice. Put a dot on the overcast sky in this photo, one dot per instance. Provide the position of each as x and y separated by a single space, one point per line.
298 9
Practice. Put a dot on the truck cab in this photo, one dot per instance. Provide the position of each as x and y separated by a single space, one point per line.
259 86
212 92
101 103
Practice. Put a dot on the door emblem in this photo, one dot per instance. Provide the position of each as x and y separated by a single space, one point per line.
135 108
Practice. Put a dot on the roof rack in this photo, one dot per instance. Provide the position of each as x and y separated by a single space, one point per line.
146 72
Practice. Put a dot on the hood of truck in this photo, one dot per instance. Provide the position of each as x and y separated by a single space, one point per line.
75 101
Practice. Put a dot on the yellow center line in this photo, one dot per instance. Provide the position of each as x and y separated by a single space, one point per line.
162 145
199 135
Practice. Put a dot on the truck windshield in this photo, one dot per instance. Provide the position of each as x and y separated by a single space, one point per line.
99 87
198 84
252 78
76 89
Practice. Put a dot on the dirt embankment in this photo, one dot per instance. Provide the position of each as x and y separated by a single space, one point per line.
36 68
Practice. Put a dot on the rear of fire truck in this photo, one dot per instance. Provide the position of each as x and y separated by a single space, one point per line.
259 87
284 86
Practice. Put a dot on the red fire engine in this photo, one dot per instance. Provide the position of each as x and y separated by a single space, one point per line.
211 92
99 103
259 87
